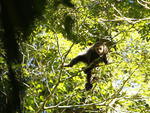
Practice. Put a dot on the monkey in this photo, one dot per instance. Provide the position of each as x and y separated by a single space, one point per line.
92 57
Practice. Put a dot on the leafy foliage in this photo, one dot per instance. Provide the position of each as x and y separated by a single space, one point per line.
121 86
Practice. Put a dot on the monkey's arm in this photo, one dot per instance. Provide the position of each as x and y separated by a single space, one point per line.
79 58
105 59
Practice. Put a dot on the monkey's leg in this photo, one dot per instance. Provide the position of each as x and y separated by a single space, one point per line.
88 70
76 60
88 85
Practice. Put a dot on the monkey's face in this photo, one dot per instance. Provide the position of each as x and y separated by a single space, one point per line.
101 50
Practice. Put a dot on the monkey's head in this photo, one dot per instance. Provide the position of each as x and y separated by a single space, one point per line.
101 48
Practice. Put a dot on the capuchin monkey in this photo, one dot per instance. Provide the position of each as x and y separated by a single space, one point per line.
92 57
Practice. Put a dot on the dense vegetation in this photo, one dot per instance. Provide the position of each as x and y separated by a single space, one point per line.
68 28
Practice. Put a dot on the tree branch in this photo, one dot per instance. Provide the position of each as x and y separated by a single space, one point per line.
73 106
144 4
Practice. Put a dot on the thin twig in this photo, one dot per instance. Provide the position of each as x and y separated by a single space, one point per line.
58 82
122 86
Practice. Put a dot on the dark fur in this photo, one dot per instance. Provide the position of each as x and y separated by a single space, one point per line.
92 58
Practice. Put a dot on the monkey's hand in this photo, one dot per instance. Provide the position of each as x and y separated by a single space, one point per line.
88 86
66 65
63 65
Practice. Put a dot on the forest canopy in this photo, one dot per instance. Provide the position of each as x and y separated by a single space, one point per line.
67 28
